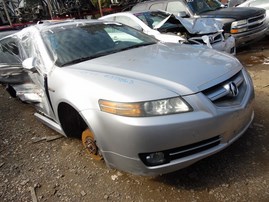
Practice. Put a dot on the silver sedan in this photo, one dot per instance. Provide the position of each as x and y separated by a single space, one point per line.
143 106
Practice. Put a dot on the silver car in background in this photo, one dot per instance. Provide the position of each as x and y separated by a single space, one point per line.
143 106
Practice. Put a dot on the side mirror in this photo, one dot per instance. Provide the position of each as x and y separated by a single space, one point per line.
29 64
182 14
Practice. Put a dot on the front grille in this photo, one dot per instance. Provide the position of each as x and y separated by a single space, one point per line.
255 25
213 38
257 18
255 22
217 38
221 96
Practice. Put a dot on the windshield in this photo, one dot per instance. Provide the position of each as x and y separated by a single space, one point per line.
70 44
201 6
233 3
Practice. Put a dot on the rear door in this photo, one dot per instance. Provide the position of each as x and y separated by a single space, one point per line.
29 85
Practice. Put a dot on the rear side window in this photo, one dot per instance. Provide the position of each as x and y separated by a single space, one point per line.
175 7
142 7
157 6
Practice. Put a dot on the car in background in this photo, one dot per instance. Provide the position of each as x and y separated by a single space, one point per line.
169 28
247 25
144 106
252 3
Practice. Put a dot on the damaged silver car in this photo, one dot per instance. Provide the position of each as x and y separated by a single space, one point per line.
170 28
143 106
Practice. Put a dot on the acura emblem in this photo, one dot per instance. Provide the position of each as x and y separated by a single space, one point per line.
231 89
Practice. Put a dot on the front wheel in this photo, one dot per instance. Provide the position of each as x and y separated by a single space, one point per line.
90 144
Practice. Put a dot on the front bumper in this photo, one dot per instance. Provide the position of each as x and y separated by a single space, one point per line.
246 38
122 139
227 45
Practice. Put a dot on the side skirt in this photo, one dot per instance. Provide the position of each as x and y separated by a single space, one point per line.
48 122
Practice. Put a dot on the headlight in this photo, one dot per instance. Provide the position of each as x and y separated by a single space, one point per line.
238 26
149 108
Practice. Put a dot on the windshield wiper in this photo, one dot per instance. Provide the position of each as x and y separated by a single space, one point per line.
218 8
76 61
83 59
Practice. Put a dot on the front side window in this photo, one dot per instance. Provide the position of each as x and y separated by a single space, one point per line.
157 6
70 44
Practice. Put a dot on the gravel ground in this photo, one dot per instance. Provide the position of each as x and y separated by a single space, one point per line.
38 165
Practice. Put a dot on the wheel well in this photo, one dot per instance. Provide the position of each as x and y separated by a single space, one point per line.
72 123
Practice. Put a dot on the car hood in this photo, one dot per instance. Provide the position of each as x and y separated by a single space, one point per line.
235 13
201 25
195 25
183 69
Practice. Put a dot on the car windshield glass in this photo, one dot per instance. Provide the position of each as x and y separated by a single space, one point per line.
233 3
201 6
76 43
153 18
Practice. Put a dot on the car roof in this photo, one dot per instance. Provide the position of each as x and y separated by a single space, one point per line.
59 23
154 1
47 25
133 12
150 1
146 4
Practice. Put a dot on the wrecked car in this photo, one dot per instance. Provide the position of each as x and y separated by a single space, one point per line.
246 25
169 28
143 106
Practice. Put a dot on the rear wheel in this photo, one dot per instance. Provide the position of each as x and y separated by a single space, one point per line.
90 144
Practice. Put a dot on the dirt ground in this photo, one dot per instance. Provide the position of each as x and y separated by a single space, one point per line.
32 169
